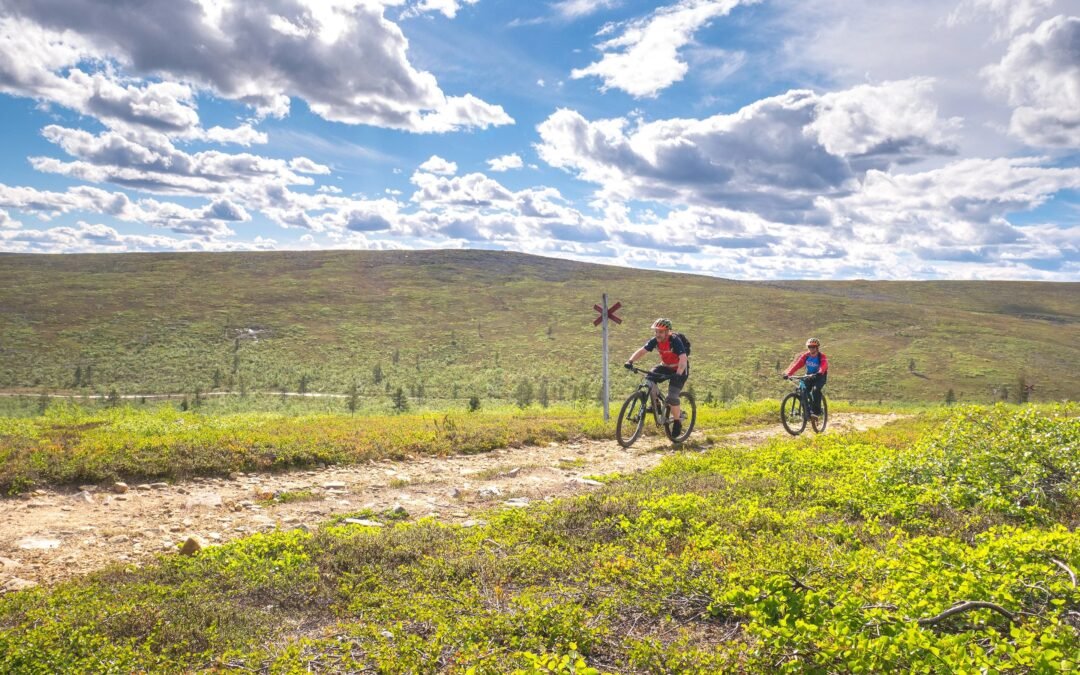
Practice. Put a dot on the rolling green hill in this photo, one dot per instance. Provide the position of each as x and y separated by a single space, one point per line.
445 324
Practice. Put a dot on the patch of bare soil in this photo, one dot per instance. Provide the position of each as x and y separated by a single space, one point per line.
54 534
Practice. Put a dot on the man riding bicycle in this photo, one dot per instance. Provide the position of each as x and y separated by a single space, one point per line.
817 371
674 365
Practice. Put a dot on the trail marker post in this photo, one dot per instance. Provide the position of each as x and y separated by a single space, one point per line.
606 313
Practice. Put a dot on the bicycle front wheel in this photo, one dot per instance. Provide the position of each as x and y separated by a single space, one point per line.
791 414
631 420
820 422
688 408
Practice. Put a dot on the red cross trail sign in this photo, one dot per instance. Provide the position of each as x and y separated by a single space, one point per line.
606 314
610 313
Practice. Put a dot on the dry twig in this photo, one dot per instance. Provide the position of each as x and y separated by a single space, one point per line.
1068 570
967 606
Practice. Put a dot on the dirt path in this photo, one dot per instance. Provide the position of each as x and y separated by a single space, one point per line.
55 534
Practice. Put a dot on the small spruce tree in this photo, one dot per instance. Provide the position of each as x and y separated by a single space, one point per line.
354 398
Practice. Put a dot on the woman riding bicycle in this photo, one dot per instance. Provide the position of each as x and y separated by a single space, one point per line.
817 371
674 365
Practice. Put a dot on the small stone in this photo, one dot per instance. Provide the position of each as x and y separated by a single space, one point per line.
363 522
15 584
84 497
87 488
192 546
186 522
119 488
182 490
517 502
38 544
40 493
119 539
121 498
159 486
334 485
489 492
66 508
211 500
474 523
215 536
455 493
144 487
176 528
513 472
235 476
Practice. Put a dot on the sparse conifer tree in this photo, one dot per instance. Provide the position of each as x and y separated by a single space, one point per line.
523 395
950 397
78 376
401 404
542 395
376 373
474 403
354 398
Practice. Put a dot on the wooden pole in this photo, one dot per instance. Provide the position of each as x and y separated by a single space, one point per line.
607 385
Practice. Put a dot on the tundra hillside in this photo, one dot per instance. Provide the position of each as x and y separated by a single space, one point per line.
456 324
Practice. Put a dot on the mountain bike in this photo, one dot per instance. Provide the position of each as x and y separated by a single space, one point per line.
648 400
795 409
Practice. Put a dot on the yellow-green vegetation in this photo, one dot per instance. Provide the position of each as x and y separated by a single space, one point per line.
496 325
72 444
837 553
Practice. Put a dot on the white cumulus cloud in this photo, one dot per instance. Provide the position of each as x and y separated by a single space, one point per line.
1040 75
506 162
644 58
438 165
343 57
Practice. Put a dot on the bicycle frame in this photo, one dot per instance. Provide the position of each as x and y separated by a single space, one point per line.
652 391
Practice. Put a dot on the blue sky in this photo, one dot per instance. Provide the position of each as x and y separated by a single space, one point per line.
751 139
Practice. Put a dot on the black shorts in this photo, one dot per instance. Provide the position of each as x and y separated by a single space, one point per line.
675 382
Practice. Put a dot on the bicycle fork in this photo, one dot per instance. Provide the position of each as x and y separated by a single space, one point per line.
659 412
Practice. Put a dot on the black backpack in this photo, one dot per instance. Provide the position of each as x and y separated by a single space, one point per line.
685 341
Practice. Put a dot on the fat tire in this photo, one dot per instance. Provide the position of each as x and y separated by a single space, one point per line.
685 399
821 422
795 423
638 426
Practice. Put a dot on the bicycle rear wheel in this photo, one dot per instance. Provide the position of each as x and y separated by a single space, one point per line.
792 415
631 420
820 422
688 408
